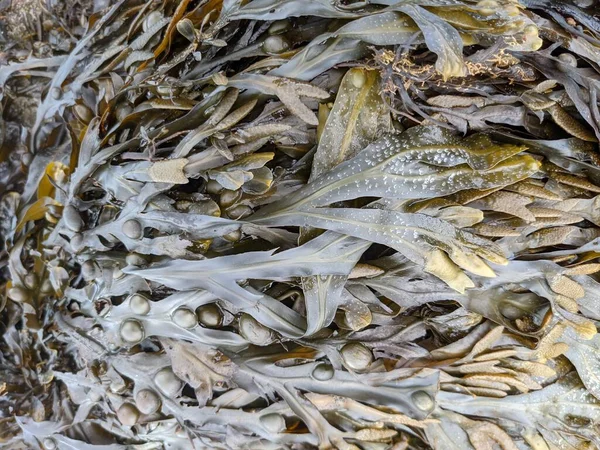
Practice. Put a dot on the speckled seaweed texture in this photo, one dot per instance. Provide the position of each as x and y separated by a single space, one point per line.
299 224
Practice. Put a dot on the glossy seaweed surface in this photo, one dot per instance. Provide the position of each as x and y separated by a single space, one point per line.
299 224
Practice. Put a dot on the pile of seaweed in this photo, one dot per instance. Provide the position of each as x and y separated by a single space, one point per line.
299 224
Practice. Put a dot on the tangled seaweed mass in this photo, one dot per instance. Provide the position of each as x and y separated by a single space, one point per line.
299 224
